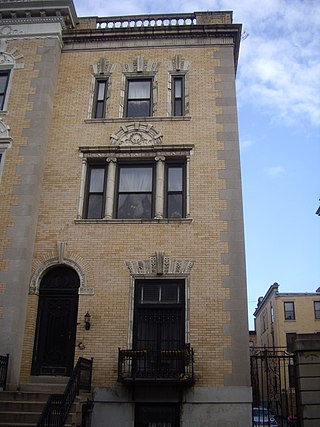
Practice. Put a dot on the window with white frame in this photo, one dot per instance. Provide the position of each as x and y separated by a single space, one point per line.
148 187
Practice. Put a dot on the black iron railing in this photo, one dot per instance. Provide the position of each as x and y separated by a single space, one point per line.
162 365
58 406
4 362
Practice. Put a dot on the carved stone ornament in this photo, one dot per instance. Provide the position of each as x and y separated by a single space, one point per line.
159 264
4 130
102 67
136 134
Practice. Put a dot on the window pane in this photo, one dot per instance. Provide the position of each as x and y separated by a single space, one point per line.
99 110
135 179
138 109
3 82
139 89
178 107
134 206
178 88
175 206
95 203
317 309
96 180
175 178
1 101
101 90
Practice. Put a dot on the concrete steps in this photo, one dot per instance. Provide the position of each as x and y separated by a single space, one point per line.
23 408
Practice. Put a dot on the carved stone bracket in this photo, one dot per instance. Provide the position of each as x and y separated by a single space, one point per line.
136 134
159 264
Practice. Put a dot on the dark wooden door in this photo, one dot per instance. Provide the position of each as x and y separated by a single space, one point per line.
56 323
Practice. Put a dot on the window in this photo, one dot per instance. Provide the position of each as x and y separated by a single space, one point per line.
317 310
4 80
135 191
100 99
289 311
139 99
175 191
290 338
145 184
157 415
159 320
177 95
95 199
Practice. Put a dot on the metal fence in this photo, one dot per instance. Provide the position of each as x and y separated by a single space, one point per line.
273 386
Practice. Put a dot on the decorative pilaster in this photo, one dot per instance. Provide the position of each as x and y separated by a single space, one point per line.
82 187
159 187
111 180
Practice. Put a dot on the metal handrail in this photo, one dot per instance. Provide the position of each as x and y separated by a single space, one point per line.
4 363
58 406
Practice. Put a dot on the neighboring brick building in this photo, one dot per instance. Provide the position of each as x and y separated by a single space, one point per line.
121 198
280 316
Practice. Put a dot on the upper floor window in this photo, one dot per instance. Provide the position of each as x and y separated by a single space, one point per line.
4 81
289 313
132 188
139 97
135 191
95 191
100 99
317 309
178 96
175 190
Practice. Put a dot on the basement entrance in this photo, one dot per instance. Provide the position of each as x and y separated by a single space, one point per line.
56 322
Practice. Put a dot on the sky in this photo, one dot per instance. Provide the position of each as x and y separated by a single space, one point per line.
278 95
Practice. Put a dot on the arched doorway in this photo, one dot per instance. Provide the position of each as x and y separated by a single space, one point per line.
56 322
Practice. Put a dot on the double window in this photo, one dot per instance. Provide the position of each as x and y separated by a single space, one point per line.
136 190
139 97
4 81
289 313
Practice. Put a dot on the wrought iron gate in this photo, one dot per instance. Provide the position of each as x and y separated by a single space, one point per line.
273 385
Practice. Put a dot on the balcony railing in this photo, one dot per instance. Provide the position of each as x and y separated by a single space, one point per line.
163 366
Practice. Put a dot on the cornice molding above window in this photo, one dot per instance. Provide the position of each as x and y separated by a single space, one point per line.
159 264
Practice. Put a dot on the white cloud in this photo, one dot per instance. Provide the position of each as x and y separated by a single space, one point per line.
279 64
275 171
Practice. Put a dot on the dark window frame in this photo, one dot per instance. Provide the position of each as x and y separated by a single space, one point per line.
178 102
131 100
3 94
99 108
89 194
316 310
135 165
289 314
175 164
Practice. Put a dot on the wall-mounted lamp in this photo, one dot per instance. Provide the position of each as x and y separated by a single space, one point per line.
87 320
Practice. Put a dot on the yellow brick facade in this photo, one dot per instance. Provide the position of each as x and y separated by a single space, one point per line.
272 324
49 114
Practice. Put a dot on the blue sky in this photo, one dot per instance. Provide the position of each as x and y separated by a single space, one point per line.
278 87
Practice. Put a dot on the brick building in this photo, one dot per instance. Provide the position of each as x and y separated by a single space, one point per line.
280 316
121 214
